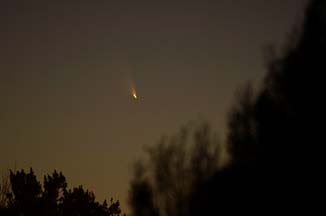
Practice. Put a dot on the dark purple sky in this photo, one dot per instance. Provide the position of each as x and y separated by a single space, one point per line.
67 68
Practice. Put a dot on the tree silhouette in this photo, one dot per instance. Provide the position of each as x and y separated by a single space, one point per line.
241 137
53 194
26 191
4 193
177 166
275 134
27 197
81 202
141 193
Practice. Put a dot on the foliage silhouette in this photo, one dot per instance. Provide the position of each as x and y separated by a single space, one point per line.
27 197
141 193
274 134
4 190
176 167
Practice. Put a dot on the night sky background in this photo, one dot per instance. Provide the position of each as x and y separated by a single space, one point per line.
67 69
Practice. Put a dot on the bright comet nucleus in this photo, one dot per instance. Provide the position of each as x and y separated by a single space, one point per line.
134 95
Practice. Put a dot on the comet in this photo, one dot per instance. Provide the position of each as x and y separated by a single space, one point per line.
134 94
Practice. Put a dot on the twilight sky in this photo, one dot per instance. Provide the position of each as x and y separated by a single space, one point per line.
67 69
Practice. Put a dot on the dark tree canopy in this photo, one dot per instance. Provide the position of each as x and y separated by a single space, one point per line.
26 196
141 194
177 165
275 135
